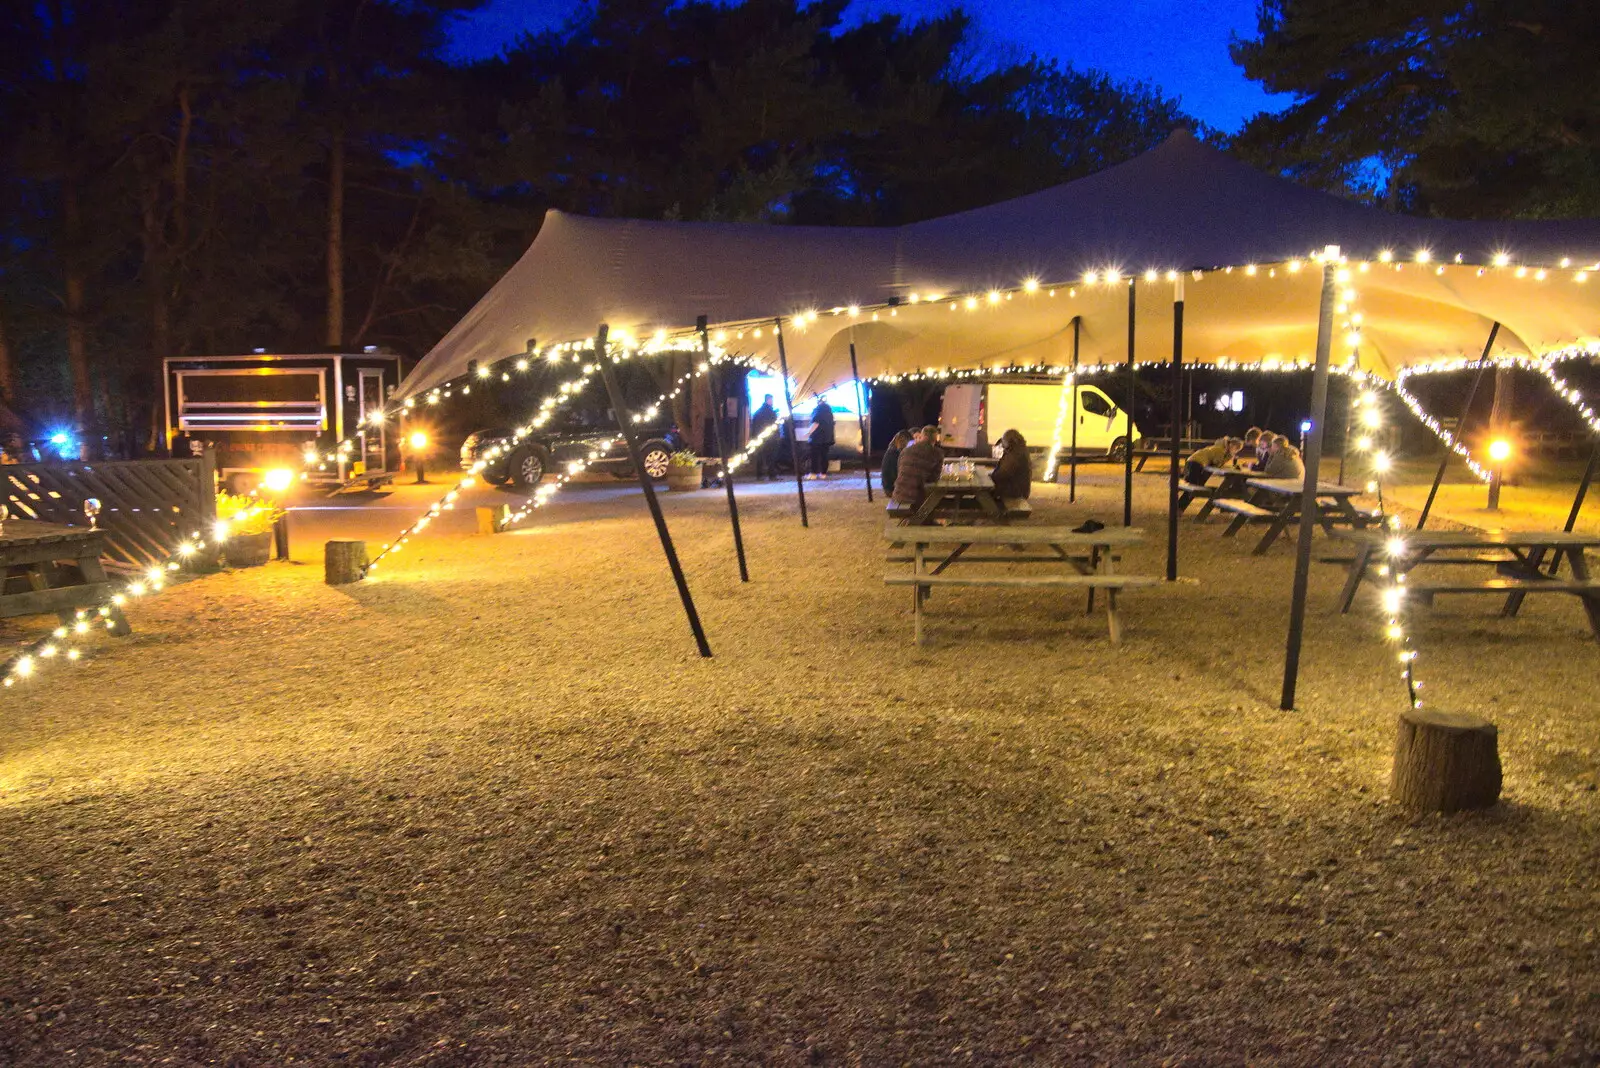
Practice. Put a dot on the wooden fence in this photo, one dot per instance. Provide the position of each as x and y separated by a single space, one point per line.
147 507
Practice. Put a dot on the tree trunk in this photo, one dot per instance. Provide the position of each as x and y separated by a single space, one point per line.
8 371
335 335
77 328
343 561
1444 762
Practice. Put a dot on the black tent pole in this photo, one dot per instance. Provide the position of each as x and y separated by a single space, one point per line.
625 421
1577 501
1127 455
721 402
1344 443
1461 425
1072 458
861 404
794 443
1177 437
1308 492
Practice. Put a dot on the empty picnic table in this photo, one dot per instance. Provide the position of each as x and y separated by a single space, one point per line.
49 567
1091 558
1513 557
1277 502
956 488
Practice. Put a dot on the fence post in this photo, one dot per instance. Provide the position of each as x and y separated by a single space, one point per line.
209 558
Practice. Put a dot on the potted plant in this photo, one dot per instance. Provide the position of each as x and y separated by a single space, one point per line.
244 526
683 471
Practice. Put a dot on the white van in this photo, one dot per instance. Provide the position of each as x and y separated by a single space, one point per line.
974 415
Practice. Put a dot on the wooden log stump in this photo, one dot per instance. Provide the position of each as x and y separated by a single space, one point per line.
1445 762
343 560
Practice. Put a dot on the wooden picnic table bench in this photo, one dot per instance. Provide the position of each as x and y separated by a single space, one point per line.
1514 557
949 496
49 567
1091 556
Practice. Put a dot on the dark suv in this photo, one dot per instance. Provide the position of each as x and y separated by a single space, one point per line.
526 463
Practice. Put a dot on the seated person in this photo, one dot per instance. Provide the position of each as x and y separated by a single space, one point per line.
1013 475
1285 461
1263 450
1220 453
891 460
1252 439
919 464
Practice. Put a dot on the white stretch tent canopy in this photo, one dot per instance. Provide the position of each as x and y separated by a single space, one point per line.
1009 279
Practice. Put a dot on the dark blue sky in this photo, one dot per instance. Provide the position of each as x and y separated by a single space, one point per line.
1177 45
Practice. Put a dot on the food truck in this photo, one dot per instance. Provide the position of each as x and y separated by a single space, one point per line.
266 411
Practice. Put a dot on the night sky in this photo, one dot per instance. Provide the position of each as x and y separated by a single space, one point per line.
1180 47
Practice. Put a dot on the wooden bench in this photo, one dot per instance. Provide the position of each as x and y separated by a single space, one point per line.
1093 556
1243 512
1015 508
1424 591
1188 491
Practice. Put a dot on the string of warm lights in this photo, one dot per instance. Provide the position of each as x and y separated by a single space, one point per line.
1369 417
1567 392
62 644
547 407
1065 403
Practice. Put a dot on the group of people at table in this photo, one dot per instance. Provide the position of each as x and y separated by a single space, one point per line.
913 461
1275 456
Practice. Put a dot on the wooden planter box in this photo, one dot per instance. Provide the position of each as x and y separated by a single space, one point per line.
249 550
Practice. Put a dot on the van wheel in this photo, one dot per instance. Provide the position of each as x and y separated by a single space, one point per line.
1119 450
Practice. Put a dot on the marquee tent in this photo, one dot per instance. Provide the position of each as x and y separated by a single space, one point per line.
999 286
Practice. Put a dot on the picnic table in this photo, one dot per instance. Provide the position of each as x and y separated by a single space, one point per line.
1090 557
1513 558
48 567
1250 497
962 494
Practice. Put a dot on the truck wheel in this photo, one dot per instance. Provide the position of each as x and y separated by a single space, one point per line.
527 466
656 457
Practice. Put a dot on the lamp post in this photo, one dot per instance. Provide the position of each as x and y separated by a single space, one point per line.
1499 452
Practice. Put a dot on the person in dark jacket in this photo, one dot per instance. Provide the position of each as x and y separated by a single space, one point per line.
1013 475
920 464
821 437
891 460
760 419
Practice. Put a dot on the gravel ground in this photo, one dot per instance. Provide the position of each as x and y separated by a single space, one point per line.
492 809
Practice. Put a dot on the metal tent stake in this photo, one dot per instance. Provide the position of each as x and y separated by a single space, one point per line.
625 422
794 443
1308 493
1127 457
861 406
1466 410
1177 417
714 380
1072 460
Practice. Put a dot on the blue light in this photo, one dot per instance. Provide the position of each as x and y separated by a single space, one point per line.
1305 426
64 444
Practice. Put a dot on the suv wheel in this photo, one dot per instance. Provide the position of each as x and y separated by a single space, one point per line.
527 466
656 457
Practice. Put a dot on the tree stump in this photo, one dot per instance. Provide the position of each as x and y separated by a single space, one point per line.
342 561
1445 762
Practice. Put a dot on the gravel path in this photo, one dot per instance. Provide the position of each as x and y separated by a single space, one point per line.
491 809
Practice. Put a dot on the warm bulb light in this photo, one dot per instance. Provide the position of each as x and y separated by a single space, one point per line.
278 480
1499 450
418 441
